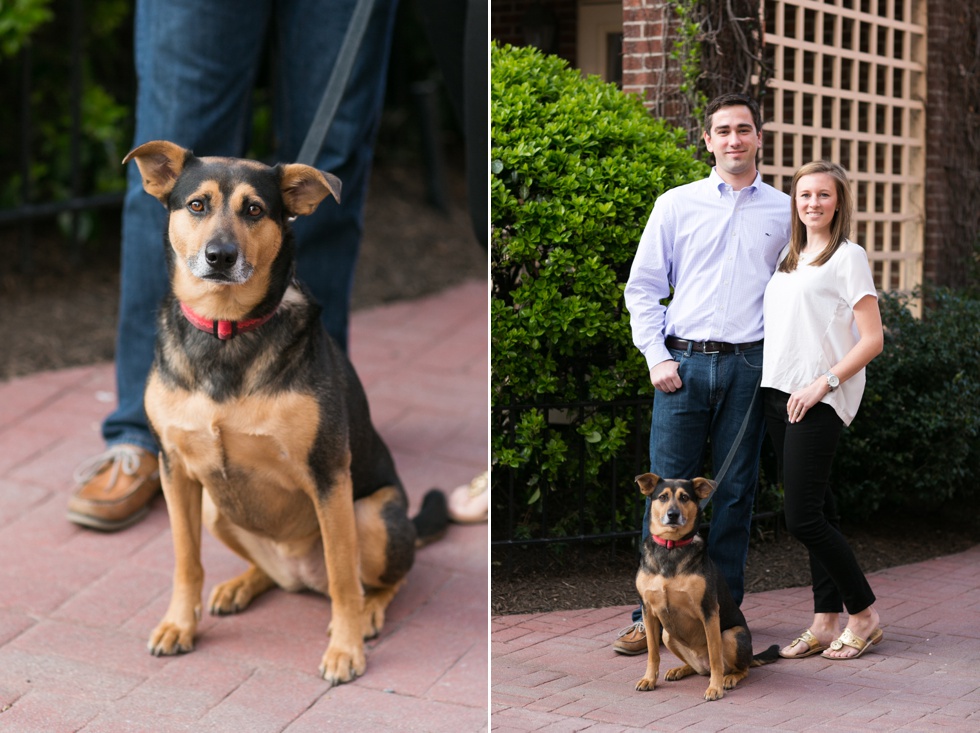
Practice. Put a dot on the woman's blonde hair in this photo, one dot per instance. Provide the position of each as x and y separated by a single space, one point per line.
840 225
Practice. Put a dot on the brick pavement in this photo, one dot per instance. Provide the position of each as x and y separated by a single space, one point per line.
76 606
556 672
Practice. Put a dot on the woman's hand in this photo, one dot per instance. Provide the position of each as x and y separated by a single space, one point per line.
802 400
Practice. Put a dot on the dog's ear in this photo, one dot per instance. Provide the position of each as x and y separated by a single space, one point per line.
304 187
648 482
703 488
160 163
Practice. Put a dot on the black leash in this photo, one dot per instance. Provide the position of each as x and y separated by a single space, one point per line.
736 444
336 84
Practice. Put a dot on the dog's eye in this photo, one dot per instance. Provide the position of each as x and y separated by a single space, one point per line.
197 206
663 498
254 210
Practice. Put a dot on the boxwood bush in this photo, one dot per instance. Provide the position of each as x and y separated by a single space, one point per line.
916 440
576 167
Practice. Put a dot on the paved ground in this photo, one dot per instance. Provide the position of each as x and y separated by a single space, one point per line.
76 606
556 672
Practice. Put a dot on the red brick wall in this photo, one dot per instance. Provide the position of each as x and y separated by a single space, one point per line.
645 53
506 17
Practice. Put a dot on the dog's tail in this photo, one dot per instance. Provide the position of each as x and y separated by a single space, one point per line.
432 519
769 656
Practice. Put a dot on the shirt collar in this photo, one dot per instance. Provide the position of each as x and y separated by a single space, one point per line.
723 188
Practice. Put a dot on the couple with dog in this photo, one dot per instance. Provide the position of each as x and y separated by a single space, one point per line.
746 306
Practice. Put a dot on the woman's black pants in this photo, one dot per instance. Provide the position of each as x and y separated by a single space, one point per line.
805 453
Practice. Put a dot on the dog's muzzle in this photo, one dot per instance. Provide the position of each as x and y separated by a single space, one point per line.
222 262
673 518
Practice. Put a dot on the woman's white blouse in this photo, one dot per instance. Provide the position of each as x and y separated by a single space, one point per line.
809 324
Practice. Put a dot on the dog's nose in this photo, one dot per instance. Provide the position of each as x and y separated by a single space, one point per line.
673 516
221 255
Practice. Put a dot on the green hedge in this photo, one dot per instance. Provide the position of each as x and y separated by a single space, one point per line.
916 440
576 167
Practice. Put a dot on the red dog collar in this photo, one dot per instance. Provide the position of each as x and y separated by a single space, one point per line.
671 544
223 330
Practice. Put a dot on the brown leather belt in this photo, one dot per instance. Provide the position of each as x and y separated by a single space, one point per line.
708 347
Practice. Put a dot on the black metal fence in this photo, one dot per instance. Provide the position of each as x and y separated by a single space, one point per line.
569 513
29 209
604 508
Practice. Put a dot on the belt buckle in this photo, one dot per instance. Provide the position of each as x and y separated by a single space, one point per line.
704 349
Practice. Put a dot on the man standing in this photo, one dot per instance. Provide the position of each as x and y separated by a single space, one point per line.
716 243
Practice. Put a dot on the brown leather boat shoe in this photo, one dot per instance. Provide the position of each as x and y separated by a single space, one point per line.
114 489
632 640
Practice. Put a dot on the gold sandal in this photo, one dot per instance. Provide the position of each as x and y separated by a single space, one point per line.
470 503
849 638
813 646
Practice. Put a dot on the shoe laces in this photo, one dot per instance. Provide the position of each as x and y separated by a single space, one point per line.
638 626
125 458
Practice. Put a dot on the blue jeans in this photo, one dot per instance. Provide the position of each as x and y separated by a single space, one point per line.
196 66
718 393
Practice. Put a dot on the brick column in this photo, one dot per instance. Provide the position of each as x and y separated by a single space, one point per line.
648 70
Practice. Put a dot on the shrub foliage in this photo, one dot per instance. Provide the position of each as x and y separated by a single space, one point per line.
916 440
576 167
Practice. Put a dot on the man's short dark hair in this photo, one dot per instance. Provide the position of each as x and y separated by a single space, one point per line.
732 99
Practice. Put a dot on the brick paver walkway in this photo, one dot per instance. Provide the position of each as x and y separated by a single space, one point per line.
557 672
76 606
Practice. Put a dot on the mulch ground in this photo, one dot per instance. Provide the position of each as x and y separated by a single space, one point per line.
544 580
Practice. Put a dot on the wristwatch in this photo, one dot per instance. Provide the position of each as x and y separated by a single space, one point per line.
832 380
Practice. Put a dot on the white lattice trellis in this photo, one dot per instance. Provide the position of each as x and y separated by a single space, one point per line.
849 86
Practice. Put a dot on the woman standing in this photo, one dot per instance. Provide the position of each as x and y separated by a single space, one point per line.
822 327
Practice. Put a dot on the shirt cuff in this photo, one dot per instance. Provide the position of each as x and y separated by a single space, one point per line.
657 354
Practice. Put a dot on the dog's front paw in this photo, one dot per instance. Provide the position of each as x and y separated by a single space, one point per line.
372 623
342 664
169 638
646 684
679 673
714 693
229 597
236 594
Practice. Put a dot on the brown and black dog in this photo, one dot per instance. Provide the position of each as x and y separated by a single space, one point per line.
263 425
685 597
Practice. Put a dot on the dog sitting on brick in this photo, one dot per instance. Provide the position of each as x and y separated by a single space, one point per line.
264 429
685 598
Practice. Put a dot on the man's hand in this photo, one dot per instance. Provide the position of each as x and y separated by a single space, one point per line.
664 376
